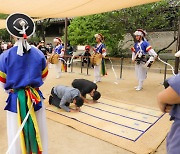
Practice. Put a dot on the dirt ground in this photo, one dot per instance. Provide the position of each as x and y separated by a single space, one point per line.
65 140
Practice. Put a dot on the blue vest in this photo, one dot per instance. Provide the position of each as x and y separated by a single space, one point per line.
100 48
18 72
143 47
58 49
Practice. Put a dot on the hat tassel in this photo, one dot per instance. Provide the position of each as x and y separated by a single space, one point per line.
24 36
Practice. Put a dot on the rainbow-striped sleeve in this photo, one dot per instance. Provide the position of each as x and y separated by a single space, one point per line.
2 77
148 48
45 73
133 49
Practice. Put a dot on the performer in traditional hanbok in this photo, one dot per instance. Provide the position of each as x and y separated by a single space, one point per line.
22 71
59 49
139 51
100 51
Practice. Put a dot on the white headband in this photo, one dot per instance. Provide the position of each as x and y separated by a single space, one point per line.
56 40
97 35
139 33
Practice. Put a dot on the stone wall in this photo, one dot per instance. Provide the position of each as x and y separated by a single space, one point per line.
158 40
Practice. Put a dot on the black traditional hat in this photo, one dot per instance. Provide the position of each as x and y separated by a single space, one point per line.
20 25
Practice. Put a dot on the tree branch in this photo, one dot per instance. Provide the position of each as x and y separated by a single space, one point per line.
175 39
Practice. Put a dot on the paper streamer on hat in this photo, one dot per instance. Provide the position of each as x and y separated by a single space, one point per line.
20 43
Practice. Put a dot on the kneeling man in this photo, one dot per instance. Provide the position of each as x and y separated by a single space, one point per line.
62 96
87 87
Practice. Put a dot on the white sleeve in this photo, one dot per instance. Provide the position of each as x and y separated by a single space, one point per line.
104 54
62 53
133 55
177 54
152 53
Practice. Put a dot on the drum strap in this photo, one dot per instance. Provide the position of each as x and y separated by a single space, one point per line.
97 51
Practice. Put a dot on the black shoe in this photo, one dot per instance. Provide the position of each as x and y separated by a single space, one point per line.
50 100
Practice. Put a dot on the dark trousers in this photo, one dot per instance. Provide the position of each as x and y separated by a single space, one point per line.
55 100
86 60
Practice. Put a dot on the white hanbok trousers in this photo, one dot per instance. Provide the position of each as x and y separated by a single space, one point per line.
12 128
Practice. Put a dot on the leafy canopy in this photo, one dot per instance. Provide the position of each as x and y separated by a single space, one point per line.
114 25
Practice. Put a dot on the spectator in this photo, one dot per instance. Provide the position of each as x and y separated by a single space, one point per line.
86 56
43 48
49 48
169 102
69 52
9 45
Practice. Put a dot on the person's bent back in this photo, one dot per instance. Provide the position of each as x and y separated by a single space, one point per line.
62 96
87 87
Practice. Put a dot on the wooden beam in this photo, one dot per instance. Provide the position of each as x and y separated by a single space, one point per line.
178 48
66 40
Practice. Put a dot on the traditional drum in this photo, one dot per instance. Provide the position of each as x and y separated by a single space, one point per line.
54 58
96 59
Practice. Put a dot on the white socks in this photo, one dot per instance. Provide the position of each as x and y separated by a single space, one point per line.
140 86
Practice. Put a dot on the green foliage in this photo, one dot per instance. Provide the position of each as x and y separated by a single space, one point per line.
155 16
4 35
82 31
114 25
34 39
3 16
41 25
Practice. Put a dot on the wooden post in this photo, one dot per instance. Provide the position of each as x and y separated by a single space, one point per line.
165 69
87 65
81 64
178 48
65 41
121 67
72 66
